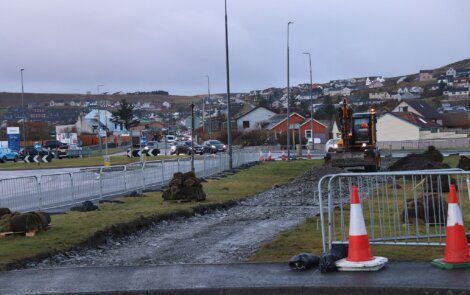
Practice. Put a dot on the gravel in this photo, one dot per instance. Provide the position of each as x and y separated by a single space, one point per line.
225 236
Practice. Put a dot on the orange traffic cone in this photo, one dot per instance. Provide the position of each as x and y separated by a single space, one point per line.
359 253
283 156
261 156
456 254
269 155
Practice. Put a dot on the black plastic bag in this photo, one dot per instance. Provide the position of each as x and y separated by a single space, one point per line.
327 263
303 261
339 251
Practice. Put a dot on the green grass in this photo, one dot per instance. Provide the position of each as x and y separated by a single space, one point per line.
451 160
306 237
74 228
78 162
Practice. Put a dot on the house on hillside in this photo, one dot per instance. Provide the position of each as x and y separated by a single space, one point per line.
457 92
425 75
419 108
451 72
463 72
399 126
95 121
376 84
380 95
253 118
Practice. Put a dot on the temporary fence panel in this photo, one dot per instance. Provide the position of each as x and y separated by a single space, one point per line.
400 208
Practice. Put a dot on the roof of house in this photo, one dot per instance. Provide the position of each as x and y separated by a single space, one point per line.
277 119
308 121
415 119
423 108
253 109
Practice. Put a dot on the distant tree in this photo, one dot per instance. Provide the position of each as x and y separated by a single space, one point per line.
125 115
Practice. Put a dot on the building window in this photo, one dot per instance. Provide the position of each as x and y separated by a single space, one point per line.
403 109
246 124
308 133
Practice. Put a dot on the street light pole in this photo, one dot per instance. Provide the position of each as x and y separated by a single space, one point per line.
99 119
288 90
192 137
311 99
24 114
210 106
229 132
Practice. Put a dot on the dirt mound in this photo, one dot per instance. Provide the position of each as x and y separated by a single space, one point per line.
430 159
184 187
464 163
84 207
18 222
431 209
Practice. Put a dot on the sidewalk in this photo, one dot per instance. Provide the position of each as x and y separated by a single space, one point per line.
396 278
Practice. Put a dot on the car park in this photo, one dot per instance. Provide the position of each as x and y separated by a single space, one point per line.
7 154
214 146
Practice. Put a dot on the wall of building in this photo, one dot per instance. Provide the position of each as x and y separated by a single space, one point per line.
254 117
391 128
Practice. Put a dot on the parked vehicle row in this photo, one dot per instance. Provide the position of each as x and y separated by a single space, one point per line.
186 147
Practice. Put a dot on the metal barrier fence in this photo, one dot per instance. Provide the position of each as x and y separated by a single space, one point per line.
400 208
44 192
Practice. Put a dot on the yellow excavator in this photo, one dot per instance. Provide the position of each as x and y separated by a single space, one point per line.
358 143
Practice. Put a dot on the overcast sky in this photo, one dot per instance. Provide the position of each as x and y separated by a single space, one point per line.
130 45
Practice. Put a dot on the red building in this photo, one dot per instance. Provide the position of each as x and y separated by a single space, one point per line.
319 130
278 123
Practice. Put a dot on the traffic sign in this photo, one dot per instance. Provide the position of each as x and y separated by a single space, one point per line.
37 158
134 153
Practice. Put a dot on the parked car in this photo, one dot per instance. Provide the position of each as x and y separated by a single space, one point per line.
331 145
198 149
179 147
8 155
73 151
215 146
52 144
170 138
33 151
61 151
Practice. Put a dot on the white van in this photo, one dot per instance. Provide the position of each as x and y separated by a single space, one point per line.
170 138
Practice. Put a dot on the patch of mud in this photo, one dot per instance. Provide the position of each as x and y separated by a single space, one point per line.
223 236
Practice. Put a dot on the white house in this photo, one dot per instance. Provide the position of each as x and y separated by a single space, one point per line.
420 108
451 72
458 92
97 120
380 95
251 120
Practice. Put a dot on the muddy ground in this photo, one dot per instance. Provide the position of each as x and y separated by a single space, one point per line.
223 236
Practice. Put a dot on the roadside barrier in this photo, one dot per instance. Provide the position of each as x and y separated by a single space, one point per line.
44 192
406 208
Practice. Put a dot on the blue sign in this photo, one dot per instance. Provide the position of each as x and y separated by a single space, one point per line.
143 140
14 138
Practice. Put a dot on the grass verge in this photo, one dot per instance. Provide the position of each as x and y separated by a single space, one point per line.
79 229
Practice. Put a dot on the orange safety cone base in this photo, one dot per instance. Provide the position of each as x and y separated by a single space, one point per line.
375 264
440 263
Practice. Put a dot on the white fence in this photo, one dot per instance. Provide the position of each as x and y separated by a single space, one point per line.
44 192
449 143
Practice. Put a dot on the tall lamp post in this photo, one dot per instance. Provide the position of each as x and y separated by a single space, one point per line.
192 137
229 132
99 118
210 106
311 99
288 90
24 113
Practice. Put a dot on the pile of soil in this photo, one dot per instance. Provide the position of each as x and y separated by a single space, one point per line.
85 207
430 159
431 208
184 187
23 222
464 163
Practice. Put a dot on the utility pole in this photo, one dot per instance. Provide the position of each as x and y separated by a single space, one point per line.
288 91
99 119
210 106
192 137
24 113
229 132
311 100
